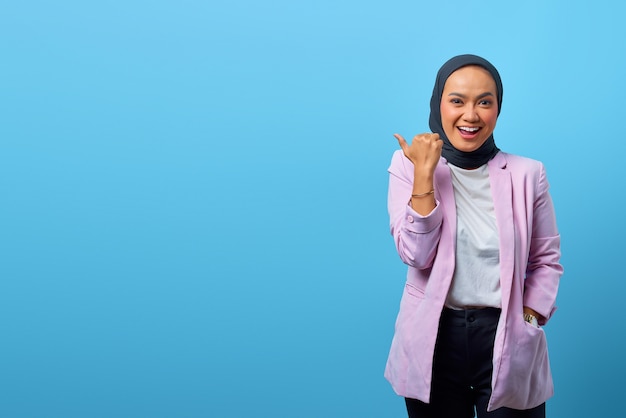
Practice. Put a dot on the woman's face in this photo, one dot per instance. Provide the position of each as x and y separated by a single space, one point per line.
469 107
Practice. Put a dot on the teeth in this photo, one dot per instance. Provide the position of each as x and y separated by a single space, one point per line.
467 129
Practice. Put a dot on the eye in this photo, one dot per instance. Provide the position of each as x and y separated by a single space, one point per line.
485 103
456 101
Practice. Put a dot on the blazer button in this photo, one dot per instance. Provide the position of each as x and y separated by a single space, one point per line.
409 218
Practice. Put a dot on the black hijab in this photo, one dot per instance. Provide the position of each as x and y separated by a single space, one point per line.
488 150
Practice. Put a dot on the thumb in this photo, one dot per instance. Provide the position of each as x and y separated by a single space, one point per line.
402 142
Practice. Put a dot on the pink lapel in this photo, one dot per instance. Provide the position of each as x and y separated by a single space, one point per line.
502 192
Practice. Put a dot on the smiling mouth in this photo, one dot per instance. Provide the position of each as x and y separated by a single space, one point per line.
468 131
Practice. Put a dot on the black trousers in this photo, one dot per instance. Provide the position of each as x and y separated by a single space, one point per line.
462 368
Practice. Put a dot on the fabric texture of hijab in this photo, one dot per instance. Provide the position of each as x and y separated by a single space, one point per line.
489 149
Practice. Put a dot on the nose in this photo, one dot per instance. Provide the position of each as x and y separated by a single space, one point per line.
471 115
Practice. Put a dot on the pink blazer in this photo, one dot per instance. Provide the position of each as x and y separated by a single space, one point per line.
530 273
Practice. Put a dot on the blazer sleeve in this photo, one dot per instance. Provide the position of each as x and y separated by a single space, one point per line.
416 237
544 270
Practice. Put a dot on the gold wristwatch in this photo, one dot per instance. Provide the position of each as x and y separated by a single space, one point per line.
531 319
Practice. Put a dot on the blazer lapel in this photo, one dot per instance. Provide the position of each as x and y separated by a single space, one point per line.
502 192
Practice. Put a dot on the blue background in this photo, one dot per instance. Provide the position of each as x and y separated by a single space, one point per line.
193 197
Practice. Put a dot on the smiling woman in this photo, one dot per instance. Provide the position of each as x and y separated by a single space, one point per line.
476 228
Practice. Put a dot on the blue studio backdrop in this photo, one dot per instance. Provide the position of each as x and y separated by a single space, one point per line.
193 211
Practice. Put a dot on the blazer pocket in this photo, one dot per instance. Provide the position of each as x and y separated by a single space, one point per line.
414 291
530 377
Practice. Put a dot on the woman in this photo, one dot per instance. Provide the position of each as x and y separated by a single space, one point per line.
476 227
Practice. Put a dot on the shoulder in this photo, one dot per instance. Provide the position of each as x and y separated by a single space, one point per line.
399 163
518 162
518 165
523 169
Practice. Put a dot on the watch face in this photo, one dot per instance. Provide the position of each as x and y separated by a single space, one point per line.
531 319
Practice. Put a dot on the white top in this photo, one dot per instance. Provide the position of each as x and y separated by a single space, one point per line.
476 281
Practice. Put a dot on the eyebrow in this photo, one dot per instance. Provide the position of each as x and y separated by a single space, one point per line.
463 96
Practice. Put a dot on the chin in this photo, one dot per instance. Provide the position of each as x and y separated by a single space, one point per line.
468 149
465 146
